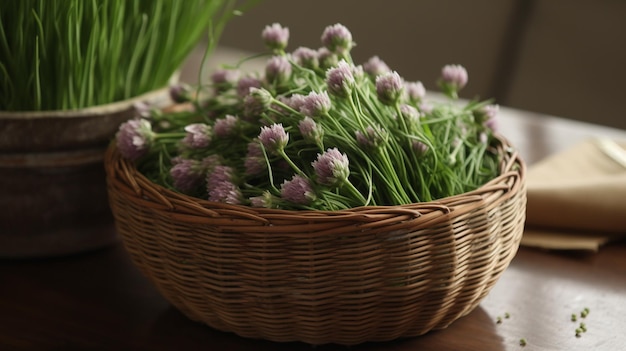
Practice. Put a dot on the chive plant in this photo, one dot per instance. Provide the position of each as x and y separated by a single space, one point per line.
315 130
70 54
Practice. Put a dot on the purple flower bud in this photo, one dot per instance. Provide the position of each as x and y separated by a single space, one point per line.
306 57
410 114
419 147
453 79
375 67
340 80
220 186
296 101
257 102
331 167
389 87
275 37
142 109
209 162
224 79
180 93
198 136
455 75
298 190
278 70
245 83
274 137
225 127
316 104
134 138
338 39
326 58
358 73
414 91
263 201
310 130
491 116
372 137
254 162
187 174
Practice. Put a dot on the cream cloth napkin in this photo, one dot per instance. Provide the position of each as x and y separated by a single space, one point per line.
577 198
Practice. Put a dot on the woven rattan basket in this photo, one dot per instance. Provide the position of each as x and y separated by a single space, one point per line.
347 277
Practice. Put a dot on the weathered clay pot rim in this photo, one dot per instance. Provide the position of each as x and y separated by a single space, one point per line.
66 130
103 109
83 112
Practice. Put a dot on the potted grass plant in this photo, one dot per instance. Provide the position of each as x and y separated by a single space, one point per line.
320 200
70 72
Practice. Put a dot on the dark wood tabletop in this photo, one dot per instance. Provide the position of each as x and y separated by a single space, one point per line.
100 301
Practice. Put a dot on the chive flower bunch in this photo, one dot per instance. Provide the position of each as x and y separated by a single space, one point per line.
315 130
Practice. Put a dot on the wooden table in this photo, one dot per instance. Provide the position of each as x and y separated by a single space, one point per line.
100 301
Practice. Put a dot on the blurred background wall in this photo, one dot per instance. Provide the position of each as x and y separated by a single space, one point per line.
559 57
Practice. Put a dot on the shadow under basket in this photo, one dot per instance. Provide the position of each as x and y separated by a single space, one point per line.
345 277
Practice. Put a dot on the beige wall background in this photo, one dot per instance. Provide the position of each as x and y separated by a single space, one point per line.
559 57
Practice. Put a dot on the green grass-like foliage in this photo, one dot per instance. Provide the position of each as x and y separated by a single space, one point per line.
70 54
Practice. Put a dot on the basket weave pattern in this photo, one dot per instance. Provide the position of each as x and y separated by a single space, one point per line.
364 274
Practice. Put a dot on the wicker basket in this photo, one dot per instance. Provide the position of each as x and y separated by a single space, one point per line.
346 277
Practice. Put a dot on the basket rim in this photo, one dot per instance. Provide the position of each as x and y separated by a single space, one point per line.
510 180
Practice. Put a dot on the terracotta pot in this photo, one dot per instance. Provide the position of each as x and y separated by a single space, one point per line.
52 178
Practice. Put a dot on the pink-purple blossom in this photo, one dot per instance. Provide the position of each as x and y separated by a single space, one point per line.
419 147
340 80
375 67
389 87
257 102
491 116
337 38
316 104
331 167
220 186
326 58
275 37
414 91
245 83
274 137
225 127
298 190
198 136
278 70
265 200
296 101
224 79
306 57
134 138
180 93
142 109
310 130
187 174
371 137
254 163
455 76
410 114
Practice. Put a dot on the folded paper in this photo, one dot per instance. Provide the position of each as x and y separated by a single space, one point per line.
577 198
